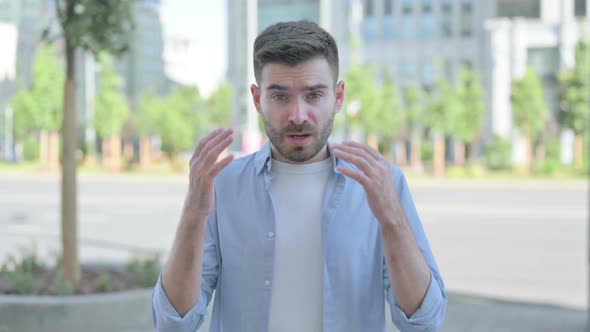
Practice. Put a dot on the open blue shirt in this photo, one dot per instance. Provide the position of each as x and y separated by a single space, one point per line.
239 255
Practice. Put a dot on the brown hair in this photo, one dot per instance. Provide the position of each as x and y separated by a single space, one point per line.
291 43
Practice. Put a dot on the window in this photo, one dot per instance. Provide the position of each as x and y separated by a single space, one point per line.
368 8
370 28
427 26
388 28
580 9
427 72
408 20
521 8
466 19
407 70
388 7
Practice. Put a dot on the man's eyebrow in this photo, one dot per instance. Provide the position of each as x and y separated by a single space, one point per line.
277 87
318 86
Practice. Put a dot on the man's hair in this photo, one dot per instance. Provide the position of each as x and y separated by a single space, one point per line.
292 43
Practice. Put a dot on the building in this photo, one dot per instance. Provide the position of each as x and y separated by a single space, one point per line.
421 40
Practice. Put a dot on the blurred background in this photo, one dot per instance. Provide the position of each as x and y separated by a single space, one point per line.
484 104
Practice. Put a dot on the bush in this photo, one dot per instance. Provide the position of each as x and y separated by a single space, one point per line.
104 283
31 149
60 286
21 282
498 154
146 271
427 153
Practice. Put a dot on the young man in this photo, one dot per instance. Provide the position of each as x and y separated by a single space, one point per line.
302 235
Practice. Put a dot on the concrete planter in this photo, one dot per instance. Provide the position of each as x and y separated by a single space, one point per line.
128 311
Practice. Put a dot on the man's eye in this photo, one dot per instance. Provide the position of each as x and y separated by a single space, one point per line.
314 95
279 97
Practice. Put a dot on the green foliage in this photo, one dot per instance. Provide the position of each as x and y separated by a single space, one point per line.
148 115
414 107
181 120
443 109
219 107
467 123
146 271
96 26
20 271
110 105
22 282
528 106
60 286
551 164
498 154
30 148
574 92
40 107
427 152
360 88
104 283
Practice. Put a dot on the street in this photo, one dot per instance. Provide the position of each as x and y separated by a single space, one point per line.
510 240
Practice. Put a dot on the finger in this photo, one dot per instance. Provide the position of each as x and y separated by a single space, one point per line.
204 141
359 161
213 142
221 165
214 152
355 175
374 153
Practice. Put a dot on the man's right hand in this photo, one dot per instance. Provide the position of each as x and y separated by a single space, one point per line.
203 170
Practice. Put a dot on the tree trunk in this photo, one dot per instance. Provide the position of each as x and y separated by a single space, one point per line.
53 156
439 155
472 151
416 159
459 154
578 151
145 153
115 142
401 154
528 164
44 148
69 200
372 141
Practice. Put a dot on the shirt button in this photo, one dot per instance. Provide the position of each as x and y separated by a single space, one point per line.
266 283
271 234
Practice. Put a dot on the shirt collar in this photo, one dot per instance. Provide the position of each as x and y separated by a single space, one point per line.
263 158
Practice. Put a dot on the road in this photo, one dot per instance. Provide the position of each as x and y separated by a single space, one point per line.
511 240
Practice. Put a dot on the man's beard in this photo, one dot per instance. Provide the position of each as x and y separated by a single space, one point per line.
299 154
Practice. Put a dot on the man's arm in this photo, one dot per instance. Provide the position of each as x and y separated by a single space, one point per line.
181 277
409 275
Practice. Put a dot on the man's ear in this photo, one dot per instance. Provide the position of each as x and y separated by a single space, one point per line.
339 95
255 90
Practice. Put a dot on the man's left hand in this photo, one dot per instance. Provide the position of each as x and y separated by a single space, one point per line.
374 175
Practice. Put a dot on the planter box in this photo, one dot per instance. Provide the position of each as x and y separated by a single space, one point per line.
128 311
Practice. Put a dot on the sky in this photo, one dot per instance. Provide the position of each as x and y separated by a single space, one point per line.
204 22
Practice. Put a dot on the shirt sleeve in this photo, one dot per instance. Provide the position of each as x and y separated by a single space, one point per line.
430 315
165 317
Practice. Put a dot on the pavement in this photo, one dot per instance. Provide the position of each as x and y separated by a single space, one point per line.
513 254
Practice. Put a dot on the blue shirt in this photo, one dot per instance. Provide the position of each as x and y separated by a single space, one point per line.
239 256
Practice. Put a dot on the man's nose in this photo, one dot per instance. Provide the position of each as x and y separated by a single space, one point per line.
299 112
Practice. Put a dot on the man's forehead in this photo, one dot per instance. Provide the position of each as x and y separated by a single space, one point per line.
314 72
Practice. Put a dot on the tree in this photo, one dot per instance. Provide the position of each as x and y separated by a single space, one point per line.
443 110
111 112
385 117
470 112
528 110
574 97
414 105
219 106
94 26
181 121
40 107
358 80
146 120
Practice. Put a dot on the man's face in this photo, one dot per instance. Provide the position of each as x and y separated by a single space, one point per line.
298 105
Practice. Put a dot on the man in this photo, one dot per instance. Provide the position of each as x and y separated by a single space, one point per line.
302 235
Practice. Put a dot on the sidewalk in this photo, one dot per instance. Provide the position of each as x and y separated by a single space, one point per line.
471 313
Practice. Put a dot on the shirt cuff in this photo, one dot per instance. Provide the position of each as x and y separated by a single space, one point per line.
166 318
428 317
